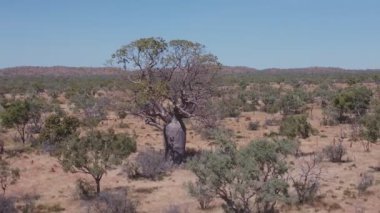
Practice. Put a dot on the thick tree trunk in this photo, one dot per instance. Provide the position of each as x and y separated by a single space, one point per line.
175 140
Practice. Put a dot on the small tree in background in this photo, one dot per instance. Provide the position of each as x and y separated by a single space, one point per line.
292 104
95 153
94 108
354 101
17 115
56 130
270 97
371 130
37 107
96 112
8 175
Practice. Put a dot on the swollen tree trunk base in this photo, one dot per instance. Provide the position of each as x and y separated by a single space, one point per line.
175 140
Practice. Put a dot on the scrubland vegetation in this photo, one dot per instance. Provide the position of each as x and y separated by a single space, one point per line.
182 133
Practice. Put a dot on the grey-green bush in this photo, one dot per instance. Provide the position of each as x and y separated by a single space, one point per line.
307 180
292 104
148 164
203 193
335 152
365 182
112 202
240 177
7 205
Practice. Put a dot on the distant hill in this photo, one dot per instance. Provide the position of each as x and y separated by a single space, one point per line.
238 69
58 71
307 70
86 71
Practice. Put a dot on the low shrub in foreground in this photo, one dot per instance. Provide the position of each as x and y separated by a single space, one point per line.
365 182
7 205
240 177
148 164
202 193
335 152
112 202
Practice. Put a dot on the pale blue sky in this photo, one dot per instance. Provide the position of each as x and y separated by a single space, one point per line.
261 34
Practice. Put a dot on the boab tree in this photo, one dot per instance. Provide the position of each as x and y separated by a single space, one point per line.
172 81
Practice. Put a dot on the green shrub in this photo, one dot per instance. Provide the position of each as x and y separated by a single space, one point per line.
56 130
248 101
49 208
202 193
296 126
325 92
239 176
270 97
254 125
230 107
305 96
292 104
121 114
215 133
371 130
353 101
272 122
330 116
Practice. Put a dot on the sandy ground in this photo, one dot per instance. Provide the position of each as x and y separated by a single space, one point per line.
42 175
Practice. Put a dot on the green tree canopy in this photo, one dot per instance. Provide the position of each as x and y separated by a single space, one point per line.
353 100
171 81
17 115
57 129
96 153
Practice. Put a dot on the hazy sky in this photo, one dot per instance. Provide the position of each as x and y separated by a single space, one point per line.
261 34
